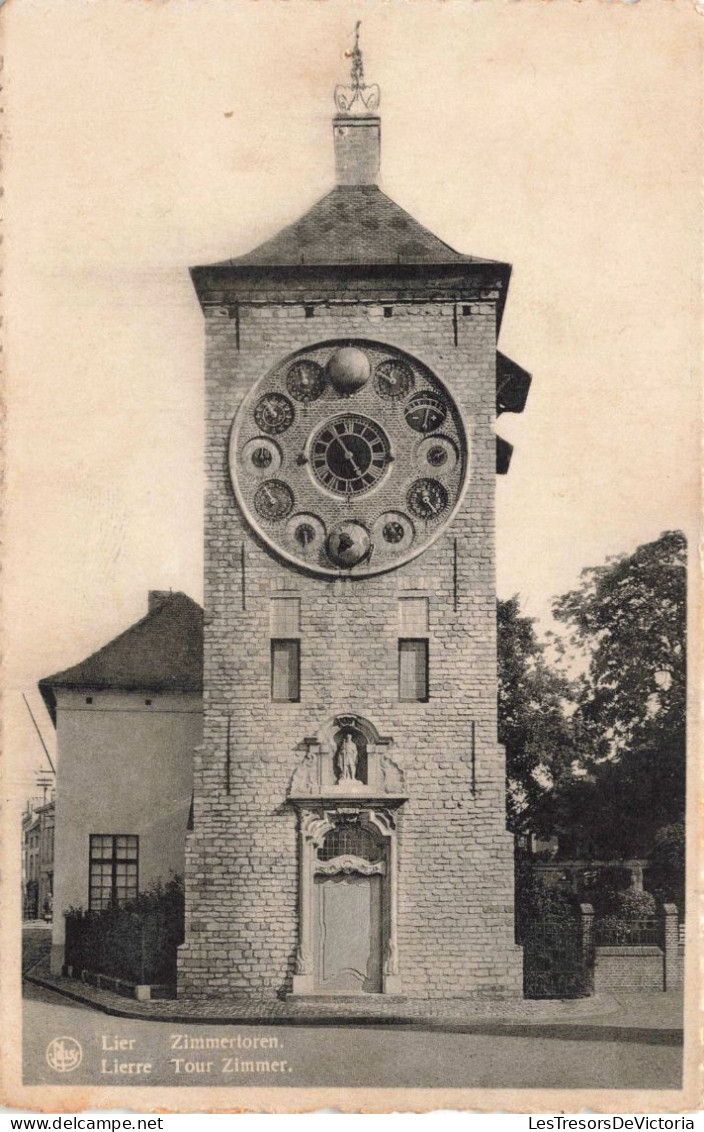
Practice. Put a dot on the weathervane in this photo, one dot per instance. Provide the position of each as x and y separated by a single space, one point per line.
358 98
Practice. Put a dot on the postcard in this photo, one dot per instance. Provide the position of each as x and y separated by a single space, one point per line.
351 521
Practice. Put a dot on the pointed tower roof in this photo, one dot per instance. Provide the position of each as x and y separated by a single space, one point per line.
353 225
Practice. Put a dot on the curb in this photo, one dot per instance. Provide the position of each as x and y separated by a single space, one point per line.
412 1022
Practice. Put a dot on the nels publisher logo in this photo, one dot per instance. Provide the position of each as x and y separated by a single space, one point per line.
64 1054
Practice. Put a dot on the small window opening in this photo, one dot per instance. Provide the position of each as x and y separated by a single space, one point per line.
309 312
148 703
285 671
388 312
413 670
466 310
89 699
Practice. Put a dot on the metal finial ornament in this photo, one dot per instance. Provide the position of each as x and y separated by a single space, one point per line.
358 98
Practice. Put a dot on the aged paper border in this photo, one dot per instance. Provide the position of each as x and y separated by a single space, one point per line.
73 1098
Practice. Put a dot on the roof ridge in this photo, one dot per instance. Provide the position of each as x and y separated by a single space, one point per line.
151 614
162 651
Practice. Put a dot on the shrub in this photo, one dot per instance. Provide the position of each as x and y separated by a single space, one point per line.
536 900
666 865
634 905
624 904
136 941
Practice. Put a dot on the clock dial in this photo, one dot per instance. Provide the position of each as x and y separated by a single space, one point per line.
306 380
425 411
273 413
273 500
393 532
306 533
427 499
394 379
262 457
350 454
439 453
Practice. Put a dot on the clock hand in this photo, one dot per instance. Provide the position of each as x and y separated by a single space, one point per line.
350 459
425 495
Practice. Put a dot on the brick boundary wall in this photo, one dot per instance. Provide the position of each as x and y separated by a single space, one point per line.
644 967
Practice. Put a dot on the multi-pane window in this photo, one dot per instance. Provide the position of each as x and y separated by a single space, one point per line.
350 840
114 861
285 617
413 649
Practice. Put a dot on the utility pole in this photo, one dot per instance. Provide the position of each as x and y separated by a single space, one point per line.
41 737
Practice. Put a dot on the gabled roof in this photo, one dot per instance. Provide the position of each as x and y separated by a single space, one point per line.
352 224
161 653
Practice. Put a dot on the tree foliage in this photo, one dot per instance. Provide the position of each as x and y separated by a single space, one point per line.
665 877
533 724
629 619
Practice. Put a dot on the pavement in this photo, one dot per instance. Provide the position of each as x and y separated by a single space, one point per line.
631 1016
628 1049
622 1040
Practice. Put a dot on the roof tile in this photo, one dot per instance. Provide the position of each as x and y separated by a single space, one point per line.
352 224
161 652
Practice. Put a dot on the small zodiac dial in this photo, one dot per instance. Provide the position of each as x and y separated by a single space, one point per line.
273 413
306 380
427 499
394 379
273 500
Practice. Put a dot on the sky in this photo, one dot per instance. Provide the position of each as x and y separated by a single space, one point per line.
144 138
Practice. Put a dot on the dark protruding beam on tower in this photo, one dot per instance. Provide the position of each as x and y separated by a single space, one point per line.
512 385
504 452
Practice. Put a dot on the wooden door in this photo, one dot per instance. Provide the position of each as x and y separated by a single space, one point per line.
349 934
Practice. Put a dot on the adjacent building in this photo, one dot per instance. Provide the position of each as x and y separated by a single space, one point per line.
127 720
38 860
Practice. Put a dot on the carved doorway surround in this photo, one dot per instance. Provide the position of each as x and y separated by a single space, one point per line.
347 789
347 876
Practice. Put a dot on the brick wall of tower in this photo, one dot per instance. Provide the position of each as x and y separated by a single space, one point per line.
455 922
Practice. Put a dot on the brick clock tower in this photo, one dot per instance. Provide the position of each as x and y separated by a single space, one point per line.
349 831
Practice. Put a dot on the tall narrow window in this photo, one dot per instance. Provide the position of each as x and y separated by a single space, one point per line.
285 617
285 671
413 670
413 649
114 868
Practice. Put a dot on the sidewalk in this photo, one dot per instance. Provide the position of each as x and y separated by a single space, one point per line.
635 1012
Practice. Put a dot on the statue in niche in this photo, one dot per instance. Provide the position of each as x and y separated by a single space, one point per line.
347 759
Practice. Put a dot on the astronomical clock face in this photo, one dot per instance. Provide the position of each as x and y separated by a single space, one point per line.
348 458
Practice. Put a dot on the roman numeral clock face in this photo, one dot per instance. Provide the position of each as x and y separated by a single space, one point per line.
350 454
348 458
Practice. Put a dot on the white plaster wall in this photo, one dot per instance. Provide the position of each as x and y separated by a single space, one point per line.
124 766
